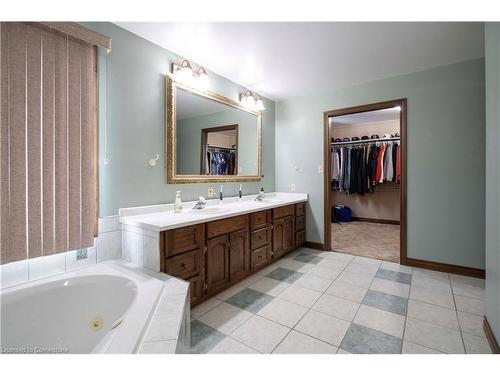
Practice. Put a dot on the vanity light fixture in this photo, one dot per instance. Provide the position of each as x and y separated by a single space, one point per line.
252 101
185 73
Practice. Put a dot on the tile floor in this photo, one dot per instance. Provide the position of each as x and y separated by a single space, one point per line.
328 302
374 240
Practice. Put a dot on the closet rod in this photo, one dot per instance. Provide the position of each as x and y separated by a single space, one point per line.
366 141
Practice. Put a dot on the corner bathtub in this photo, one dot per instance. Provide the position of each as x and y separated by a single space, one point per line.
99 309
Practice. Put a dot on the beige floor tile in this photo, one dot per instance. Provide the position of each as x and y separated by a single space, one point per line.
390 287
298 343
283 312
470 305
260 334
475 344
325 272
347 291
204 307
299 295
333 263
341 256
380 320
433 314
468 286
249 280
269 286
337 307
356 279
225 318
412 348
472 324
367 261
362 268
432 336
436 284
319 284
323 327
432 296
231 346
342 351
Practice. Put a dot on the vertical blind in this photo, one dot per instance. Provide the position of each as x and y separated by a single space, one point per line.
48 141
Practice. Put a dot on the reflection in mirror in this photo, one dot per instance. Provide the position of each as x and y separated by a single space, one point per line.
214 139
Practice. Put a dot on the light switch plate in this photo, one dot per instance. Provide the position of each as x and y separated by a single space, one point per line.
320 168
211 192
292 188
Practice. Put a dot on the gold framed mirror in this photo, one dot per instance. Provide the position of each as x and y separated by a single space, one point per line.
210 138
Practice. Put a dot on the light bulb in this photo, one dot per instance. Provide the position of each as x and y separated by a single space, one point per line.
259 105
203 81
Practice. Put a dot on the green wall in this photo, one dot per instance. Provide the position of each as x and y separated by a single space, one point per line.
492 52
189 140
137 125
446 141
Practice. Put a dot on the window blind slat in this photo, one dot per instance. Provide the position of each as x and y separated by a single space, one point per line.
61 134
74 143
48 120
4 145
34 149
87 137
17 143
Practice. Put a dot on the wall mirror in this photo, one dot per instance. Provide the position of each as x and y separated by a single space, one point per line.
210 138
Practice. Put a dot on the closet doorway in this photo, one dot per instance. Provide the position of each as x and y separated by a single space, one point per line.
365 180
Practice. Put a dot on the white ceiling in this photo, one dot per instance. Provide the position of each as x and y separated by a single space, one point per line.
289 59
387 114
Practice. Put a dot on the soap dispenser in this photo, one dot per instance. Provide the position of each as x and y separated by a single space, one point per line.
178 202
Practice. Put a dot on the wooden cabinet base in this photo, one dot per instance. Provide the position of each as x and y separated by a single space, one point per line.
218 254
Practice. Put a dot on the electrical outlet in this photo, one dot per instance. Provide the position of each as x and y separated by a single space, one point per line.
211 192
320 168
292 188
239 169
81 254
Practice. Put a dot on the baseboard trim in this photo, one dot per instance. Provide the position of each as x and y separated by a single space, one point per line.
315 245
380 221
490 336
445 267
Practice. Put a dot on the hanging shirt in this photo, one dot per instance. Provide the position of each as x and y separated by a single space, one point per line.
335 165
380 165
398 166
388 168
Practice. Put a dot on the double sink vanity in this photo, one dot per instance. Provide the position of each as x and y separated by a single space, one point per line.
215 247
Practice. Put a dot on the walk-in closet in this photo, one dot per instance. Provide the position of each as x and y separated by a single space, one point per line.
365 172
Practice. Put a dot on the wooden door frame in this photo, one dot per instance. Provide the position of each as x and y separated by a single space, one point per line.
403 185
204 138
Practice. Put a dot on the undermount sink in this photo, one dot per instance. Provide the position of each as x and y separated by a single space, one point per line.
210 210
269 200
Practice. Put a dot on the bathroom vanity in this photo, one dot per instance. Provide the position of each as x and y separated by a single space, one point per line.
216 247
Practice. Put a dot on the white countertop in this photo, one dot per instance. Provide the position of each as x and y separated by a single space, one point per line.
163 217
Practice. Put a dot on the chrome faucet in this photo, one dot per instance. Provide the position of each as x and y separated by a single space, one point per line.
261 195
200 204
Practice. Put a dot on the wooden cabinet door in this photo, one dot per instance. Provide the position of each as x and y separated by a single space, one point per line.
238 254
196 288
217 263
289 234
278 238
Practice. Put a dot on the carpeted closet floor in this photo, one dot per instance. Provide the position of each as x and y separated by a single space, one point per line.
373 240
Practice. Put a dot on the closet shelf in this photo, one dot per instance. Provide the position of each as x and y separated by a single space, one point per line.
366 141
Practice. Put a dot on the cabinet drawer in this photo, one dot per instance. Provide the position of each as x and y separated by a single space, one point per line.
260 219
232 224
196 288
300 238
260 257
185 265
261 237
280 212
181 240
300 223
300 209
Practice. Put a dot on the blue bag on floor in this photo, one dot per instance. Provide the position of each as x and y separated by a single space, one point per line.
342 213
